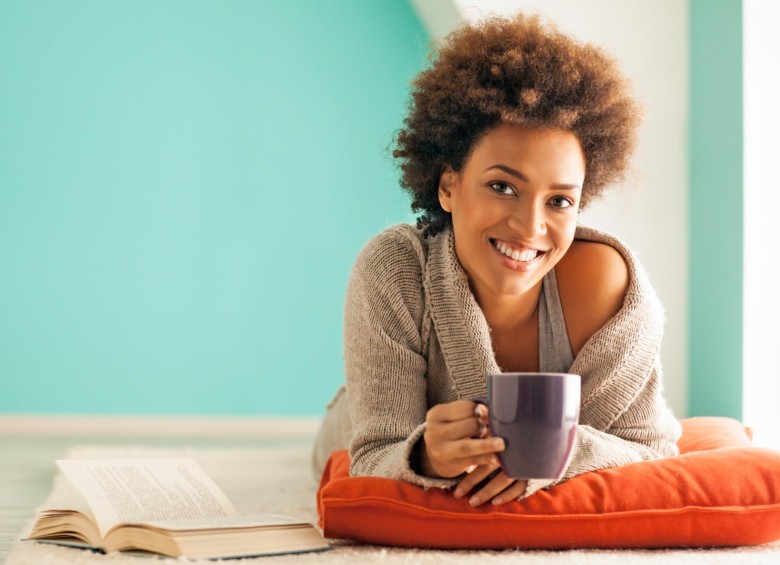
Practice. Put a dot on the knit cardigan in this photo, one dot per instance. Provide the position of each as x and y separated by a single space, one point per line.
414 337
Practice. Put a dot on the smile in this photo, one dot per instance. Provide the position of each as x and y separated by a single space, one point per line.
520 255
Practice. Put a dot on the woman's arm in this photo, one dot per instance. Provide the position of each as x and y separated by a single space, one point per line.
624 416
384 358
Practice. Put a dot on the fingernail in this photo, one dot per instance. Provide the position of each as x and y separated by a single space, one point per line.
470 469
474 501
497 501
498 443
458 492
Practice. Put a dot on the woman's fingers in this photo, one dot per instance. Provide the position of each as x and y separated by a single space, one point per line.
498 484
452 431
512 493
500 489
453 411
474 451
462 454
472 479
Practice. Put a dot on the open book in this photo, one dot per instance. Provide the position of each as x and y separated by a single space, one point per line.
165 506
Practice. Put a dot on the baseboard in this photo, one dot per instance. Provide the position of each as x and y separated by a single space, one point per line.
157 426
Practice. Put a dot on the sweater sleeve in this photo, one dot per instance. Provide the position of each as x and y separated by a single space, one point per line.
384 360
646 430
624 417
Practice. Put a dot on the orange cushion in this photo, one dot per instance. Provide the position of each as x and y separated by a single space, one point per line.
721 492
705 433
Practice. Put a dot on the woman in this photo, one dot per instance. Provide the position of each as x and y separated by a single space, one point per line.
512 131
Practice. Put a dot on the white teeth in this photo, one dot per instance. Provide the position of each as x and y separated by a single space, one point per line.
516 254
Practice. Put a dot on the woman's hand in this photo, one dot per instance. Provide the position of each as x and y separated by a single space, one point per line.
500 488
455 442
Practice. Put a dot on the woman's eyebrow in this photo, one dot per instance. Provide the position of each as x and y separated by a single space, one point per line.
522 177
509 171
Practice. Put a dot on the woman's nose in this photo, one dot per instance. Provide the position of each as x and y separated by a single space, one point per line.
528 220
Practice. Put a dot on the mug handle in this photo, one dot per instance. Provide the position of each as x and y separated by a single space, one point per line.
484 402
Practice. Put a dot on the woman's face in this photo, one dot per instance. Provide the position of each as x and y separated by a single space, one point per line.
514 206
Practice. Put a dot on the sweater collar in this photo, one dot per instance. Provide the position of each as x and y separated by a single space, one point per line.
463 331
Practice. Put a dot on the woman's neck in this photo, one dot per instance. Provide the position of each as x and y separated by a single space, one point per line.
505 313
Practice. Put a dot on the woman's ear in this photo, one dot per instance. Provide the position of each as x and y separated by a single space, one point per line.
447 182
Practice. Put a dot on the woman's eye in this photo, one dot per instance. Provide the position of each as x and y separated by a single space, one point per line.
502 188
561 202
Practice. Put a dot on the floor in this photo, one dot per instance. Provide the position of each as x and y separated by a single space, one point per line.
27 468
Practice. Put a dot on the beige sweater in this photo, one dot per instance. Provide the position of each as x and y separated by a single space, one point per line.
414 336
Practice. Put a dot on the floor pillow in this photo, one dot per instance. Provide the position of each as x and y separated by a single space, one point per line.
705 433
718 492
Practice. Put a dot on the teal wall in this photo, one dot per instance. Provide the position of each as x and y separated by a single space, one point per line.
715 342
183 188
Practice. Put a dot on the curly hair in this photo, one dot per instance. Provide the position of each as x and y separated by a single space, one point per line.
520 71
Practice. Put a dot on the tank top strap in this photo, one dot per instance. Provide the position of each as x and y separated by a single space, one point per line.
555 354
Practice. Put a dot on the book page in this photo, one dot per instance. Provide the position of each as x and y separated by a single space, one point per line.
122 491
228 522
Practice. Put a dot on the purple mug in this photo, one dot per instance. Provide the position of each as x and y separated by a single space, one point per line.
537 415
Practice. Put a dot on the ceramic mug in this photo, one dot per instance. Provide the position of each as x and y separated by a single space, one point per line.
536 414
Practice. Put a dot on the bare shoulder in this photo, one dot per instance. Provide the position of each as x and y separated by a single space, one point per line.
592 283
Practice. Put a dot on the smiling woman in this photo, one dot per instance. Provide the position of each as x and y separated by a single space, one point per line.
512 131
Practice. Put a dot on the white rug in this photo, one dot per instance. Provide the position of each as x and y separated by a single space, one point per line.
277 480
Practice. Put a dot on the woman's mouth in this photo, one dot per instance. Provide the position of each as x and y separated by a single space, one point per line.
516 256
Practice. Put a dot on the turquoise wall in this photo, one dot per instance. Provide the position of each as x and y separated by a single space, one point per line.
715 336
183 188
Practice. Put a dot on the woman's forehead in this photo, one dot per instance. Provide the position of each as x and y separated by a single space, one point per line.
509 142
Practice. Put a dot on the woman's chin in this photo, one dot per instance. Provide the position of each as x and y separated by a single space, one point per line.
514 288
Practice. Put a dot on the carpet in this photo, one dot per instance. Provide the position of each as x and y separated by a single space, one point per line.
277 480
